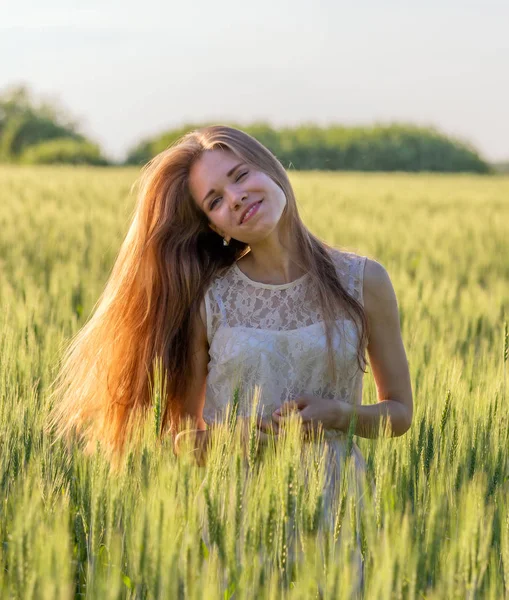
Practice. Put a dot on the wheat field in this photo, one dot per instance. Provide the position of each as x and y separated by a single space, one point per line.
437 524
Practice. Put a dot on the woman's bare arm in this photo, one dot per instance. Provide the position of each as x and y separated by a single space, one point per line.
387 358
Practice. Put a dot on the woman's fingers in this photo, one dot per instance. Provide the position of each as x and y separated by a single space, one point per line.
267 425
276 417
266 429
262 423
307 425
265 438
287 408
290 406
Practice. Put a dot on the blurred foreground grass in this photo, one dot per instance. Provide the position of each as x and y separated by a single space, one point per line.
438 524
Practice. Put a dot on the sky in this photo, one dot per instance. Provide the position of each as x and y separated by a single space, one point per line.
129 70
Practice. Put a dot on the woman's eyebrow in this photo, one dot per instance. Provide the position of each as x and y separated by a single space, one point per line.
229 174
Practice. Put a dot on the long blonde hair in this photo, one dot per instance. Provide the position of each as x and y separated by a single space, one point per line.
166 261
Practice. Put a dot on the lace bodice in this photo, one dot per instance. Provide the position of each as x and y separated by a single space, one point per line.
272 336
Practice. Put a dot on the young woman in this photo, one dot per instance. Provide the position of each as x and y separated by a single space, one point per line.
219 277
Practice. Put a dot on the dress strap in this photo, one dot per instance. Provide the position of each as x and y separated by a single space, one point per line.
350 268
356 264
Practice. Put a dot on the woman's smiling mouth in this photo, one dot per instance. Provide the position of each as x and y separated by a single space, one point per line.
252 211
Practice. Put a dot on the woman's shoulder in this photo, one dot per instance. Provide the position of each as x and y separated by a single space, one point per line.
377 285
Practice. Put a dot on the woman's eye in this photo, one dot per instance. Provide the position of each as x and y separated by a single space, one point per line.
213 203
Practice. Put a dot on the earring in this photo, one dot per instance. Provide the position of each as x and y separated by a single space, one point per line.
225 243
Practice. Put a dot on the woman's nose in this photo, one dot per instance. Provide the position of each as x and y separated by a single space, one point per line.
236 199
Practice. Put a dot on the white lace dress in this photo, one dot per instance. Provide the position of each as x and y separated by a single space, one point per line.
272 336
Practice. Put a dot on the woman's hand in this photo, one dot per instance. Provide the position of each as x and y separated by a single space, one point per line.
267 429
333 414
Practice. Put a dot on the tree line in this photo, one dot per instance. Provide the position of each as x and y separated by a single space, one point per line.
393 147
39 133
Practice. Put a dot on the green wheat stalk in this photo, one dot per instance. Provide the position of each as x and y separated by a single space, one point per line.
234 409
445 412
158 393
505 353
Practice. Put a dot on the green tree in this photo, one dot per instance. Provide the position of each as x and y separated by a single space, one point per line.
25 123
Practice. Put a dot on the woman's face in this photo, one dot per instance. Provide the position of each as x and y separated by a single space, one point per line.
224 186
